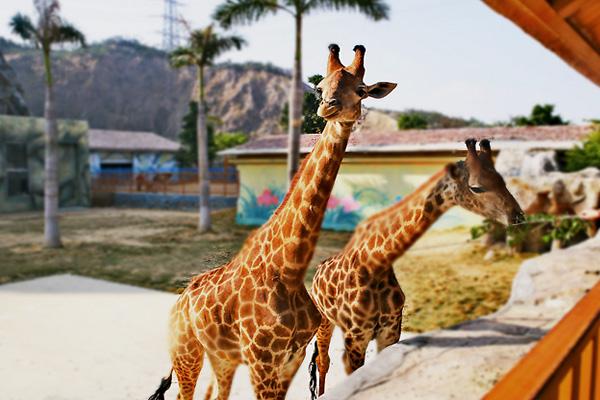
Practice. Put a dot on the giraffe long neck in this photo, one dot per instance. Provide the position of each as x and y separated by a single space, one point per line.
295 226
385 236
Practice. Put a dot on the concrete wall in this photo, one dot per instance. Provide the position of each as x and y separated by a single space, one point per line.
364 186
27 133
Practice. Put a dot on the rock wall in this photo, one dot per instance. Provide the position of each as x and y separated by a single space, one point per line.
12 101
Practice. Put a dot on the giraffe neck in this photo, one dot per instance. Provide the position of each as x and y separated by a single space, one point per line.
295 225
385 236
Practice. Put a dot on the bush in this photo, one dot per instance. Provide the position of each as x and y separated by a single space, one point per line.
588 155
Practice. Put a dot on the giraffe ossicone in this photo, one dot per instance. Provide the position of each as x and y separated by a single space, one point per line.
357 289
255 310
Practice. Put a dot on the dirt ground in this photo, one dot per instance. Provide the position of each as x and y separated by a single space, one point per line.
444 276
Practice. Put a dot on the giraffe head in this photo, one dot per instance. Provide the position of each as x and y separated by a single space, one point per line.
481 189
342 90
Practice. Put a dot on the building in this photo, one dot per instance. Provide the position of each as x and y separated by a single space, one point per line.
139 152
379 169
22 163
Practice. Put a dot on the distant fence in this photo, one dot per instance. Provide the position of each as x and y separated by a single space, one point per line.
565 364
224 181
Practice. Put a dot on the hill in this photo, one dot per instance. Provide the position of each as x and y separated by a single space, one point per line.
122 84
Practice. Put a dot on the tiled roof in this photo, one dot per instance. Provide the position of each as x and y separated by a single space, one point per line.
434 140
100 139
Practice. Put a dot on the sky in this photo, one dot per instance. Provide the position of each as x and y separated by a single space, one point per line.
453 56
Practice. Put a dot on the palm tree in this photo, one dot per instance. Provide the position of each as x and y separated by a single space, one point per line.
50 29
204 46
248 11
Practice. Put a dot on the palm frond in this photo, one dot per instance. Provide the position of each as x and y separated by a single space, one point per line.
219 45
374 9
243 11
68 33
182 57
22 26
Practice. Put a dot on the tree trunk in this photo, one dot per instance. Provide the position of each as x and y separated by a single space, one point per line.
204 223
296 95
51 229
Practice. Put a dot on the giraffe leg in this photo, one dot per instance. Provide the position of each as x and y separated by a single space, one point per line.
271 382
355 349
323 340
389 335
223 372
187 357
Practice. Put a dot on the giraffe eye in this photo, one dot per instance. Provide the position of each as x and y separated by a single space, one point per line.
319 92
361 92
477 189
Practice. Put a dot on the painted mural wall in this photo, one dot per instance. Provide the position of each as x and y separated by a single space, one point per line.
22 163
146 162
363 187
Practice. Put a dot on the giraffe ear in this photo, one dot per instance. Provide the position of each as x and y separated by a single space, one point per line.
453 171
380 89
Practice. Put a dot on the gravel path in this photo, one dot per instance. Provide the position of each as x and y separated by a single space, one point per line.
67 337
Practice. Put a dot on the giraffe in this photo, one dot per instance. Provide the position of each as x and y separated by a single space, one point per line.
357 289
255 310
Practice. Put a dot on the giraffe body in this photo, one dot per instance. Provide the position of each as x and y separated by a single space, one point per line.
357 289
255 310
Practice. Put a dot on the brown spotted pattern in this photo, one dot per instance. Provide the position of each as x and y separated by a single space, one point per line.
357 289
256 310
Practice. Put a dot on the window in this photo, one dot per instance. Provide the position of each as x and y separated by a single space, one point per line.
17 174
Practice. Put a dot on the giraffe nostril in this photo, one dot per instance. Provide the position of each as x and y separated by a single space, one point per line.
333 102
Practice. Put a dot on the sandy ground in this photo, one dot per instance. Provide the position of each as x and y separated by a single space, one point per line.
67 337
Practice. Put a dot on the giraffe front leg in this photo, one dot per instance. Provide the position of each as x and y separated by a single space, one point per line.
323 340
390 334
355 349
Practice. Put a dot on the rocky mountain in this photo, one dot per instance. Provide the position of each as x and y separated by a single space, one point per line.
121 84
12 101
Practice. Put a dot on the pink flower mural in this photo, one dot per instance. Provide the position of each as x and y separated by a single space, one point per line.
333 202
267 198
349 204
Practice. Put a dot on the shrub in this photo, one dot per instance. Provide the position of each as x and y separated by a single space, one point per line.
587 155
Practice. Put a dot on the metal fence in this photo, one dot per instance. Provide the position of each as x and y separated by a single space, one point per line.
224 181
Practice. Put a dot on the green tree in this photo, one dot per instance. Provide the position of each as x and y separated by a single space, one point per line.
188 155
50 29
311 122
203 48
541 114
248 11
586 155
412 121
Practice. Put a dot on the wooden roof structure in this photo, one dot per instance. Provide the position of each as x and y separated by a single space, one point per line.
569 28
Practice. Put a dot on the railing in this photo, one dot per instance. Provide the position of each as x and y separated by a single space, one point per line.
224 181
565 364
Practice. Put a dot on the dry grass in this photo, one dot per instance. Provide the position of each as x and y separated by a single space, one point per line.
162 250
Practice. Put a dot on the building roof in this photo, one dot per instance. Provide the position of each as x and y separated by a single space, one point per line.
569 28
429 140
131 141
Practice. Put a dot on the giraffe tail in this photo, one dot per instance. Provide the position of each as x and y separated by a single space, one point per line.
165 384
312 369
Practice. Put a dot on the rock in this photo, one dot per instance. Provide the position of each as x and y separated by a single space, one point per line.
12 101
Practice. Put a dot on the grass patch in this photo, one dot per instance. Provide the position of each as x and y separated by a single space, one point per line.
162 250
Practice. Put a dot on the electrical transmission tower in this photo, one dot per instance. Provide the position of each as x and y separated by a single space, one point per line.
171 21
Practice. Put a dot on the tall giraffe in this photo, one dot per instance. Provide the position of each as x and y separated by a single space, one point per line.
255 310
357 289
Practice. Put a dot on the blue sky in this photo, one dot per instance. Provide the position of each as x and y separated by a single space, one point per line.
453 56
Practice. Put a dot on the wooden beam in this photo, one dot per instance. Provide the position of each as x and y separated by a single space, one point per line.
566 8
540 20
